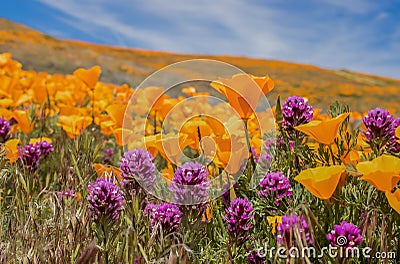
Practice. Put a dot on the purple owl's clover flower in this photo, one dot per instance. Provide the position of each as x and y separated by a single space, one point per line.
239 216
345 235
165 214
105 200
255 258
137 168
31 154
190 184
45 147
4 130
392 144
66 194
378 123
296 111
277 186
288 227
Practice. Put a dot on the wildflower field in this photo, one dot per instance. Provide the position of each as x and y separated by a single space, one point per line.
93 172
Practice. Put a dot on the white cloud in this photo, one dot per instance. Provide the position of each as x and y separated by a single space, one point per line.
269 29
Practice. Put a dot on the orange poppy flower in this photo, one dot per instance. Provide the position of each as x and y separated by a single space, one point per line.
352 157
163 106
170 146
23 121
383 172
6 102
242 93
5 58
39 91
122 136
116 112
231 153
321 181
109 172
88 76
394 199
324 132
192 127
144 99
398 133
190 91
73 125
168 173
106 125
70 111
6 114
11 148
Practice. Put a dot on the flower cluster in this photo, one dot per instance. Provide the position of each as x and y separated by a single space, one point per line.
290 226
275 185
392 144
31 154
66 194
4 130
239 216
296 111
167 215
137 167
255 258
190 184
378 123
45 147
105 200
345 235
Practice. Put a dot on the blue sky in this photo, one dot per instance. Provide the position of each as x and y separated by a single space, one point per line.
360 35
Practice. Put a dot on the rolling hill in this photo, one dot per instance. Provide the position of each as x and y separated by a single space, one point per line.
41 52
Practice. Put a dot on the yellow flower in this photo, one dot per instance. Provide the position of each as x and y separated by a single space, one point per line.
73 125
231 152
11 147
23 121
321 181
170 146
116 112
274 221
325 131
394 199
168 173
39 91
398 133
242 93
6 114
88 77
382 172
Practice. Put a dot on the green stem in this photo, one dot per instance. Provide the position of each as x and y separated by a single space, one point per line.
253 165
333 156
105 244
